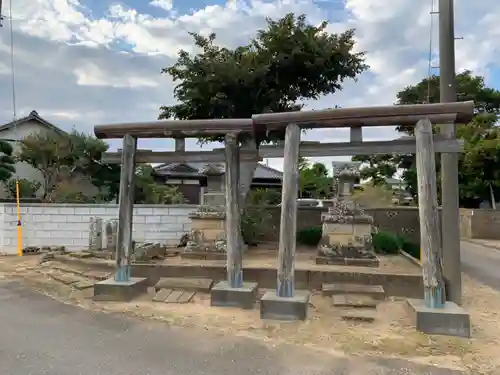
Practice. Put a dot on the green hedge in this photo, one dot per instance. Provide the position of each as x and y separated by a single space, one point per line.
310 236
385 243
409 247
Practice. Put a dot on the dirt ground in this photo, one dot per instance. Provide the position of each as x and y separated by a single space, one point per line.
391 335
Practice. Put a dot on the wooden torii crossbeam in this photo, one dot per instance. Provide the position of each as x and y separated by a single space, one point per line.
291 123
397 146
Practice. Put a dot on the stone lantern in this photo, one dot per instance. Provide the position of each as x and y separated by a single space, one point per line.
347 230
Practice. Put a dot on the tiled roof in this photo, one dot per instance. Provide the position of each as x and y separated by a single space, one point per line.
32 116
262 171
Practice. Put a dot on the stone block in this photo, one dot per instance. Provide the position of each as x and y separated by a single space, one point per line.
185 283
340 239
353 301
451 320
330 261
222 295
284 308
362 262
359 315
215 256
122 291
375 291
207 223
362 230
212 234
193 255
337 228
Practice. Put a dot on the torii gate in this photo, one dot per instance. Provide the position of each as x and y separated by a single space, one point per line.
293 122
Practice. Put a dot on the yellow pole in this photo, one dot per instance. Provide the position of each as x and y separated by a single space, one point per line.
19 226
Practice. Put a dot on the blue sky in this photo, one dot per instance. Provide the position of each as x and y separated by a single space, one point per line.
83 62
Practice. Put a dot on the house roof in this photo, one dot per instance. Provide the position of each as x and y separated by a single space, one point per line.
262 171
33 116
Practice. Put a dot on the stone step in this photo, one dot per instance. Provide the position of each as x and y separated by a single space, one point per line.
91 274
173 296
359 315
375 291
185 283
353 301
162 295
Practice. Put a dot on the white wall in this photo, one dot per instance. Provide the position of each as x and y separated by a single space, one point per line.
68 224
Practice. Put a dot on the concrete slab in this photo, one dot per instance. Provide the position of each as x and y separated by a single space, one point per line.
353 301
112 290
284 308
174 296
162 295
202 285
360 315
374 291
186 297
222 295
451 320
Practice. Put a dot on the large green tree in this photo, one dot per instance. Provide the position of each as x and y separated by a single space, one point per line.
58 156
314 181
477 173
7 162
287 62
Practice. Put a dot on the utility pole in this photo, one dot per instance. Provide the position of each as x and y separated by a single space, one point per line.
1 14
450 213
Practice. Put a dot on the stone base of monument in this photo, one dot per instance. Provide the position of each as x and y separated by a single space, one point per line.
223 295
211 224
203 255
284 308
120 291
339 261
451 320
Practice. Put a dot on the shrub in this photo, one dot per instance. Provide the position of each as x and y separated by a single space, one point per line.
408 246
385 243
256 224
310 236
27 188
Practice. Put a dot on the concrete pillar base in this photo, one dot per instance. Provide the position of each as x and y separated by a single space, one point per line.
222 295
284 308
451 320
123 291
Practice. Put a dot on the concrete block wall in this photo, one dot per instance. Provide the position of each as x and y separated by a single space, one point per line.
69 224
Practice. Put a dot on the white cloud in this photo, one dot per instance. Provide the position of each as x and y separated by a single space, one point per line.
89 74
164 4
70 61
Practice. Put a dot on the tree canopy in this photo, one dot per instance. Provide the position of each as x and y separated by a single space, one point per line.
478 174
314 181
60 156
285 63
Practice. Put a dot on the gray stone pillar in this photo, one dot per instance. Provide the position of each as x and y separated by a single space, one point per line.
111 234
95 233
124 247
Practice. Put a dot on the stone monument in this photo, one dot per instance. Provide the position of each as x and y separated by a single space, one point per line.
111 231
347 229
207 237
95 233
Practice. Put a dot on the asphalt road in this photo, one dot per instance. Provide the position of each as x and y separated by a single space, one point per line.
482 263
39 335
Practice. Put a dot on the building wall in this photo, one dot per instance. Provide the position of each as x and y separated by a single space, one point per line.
68 224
